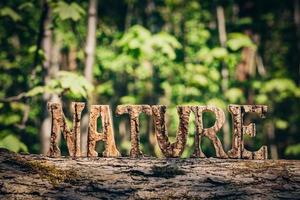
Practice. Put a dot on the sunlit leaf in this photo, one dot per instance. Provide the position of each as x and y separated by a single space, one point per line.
8 12
293 150
238 40
68 11
234 95
128 100
281 124
35 91
219 52
12 143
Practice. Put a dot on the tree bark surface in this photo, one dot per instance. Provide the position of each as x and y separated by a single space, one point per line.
40 177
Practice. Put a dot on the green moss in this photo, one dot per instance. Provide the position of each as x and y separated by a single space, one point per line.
45 170
52 173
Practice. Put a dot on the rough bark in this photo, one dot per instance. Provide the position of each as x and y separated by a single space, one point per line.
134 111
239 130
211 133
59 124
171 149
40 177
107 134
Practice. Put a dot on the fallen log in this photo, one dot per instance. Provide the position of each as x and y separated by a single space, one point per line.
39 177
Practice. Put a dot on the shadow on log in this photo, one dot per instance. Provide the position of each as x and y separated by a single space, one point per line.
40 177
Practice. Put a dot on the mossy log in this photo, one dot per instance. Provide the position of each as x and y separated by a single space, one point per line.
40 177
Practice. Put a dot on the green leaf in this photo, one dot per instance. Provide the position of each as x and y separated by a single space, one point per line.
281 88
204 55
244 21
219 52
293 150
8 12
134 37
199 79
68 11
10 119
13 143
281 124
261 99
164 43
128 100
234 95
77 84
192 91
105 88
26 5
35 91
238 40
217 102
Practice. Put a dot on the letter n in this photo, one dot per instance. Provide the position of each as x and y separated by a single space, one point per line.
59 124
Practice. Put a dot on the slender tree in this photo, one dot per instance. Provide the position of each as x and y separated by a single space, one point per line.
224 72
50 68
297 25
89 60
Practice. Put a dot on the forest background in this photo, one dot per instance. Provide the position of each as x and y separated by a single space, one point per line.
170 52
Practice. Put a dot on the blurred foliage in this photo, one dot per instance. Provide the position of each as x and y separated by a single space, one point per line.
65 83
155 52
68 11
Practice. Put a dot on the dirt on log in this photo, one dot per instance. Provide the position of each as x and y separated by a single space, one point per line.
40 177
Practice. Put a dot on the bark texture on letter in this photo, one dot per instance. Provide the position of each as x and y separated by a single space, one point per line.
175 149
72 136
134 111
107 135
211 132
239 129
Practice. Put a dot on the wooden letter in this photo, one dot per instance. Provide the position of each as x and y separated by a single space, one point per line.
107 135
175 149
239 129
134 111
59 124
211 132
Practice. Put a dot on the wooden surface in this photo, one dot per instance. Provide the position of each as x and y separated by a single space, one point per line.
39 177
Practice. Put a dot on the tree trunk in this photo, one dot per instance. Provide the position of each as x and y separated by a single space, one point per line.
91 40
89 63
50 69
224 71
129 13
40 177
297 24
